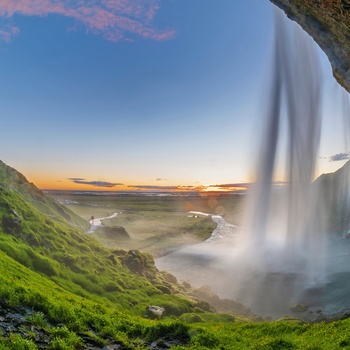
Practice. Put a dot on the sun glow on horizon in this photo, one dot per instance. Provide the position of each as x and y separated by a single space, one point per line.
69 185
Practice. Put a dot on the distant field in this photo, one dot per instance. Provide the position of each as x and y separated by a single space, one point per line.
156 224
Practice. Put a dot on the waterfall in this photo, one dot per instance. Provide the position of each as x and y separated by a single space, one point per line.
284 255
284 236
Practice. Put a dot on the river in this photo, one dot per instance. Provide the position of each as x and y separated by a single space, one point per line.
202 263
217 263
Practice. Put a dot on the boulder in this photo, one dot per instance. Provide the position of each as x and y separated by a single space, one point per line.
153 311
114 232
299 308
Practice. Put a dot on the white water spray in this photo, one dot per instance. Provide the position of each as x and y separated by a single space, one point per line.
283 255
283 237
283 246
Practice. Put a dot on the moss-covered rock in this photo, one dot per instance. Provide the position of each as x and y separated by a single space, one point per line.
299 308
139 263
191 318
113 232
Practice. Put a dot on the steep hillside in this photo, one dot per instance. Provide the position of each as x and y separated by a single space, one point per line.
15 182
335 195
51 267
74 260
36 313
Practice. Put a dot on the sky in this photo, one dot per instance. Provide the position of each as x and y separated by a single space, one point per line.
140 94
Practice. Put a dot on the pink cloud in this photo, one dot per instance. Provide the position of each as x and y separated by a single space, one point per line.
115 20
8 32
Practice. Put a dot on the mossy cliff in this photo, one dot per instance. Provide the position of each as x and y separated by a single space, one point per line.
328 22
15 182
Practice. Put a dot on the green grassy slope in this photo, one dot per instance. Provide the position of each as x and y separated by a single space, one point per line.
76 292
68 319
14 181
74 260
55 256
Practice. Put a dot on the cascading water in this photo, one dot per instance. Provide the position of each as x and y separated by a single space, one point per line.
283 236
283 255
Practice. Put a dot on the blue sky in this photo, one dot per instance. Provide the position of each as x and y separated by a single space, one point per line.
136 92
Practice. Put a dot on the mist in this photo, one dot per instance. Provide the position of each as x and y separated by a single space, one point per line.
283 258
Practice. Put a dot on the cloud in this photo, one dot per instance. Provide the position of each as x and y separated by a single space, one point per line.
244 185
179 188
8 32
160 179
233 185
339 156
156 188
115 20
106 184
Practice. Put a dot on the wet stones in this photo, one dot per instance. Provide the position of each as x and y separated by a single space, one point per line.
14 321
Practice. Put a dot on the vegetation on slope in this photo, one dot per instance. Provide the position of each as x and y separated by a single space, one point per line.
79 263
60 289
73 322
15 182
63 268
68 319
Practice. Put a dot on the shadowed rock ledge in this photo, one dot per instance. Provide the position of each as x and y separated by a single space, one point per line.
328 22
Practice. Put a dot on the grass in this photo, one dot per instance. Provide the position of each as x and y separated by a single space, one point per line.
15 182
86 205
155 224
80 315
78 288
270 336
76 261
57 306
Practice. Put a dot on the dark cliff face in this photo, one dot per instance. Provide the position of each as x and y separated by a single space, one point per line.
328 22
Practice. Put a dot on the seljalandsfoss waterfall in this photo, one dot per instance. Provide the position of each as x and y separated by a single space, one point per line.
283 238
284 259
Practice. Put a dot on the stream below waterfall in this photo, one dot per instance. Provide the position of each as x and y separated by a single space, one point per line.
216 263
196 263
